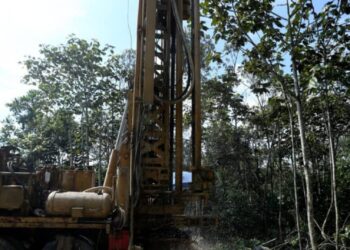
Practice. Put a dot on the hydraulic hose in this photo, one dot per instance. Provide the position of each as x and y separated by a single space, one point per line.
190 82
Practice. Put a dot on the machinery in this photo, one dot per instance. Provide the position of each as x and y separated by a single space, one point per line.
139 204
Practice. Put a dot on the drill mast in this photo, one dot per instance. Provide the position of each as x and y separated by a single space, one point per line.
167 74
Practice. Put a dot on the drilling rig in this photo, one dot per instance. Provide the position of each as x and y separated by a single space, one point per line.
142 201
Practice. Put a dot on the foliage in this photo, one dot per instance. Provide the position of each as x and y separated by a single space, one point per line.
72 114
280 45
296 62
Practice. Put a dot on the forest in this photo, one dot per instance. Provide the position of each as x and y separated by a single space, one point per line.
275 118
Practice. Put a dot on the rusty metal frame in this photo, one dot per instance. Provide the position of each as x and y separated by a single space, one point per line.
196 95
179 108
51 222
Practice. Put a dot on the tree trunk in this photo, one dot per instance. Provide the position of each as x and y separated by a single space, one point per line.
331 154
301 124
296 203
333 175
280 231
307 174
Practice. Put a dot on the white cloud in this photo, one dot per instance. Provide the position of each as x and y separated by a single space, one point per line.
24 24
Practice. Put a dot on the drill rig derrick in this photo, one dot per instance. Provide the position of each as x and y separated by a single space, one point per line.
155 117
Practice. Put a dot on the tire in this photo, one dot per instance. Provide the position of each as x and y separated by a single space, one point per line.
82 244
6 245
78 244
52 245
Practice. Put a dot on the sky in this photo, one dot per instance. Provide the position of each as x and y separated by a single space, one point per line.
24 24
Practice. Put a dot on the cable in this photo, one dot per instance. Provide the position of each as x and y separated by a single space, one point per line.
138 157
128 22
122 127
190 82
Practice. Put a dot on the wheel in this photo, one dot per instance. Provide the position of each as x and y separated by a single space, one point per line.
6 245
82 244
68 242
52 245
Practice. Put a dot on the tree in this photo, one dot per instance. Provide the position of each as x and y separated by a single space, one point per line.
74 111
265 35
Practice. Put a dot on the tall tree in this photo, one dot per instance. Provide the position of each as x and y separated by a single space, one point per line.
270 37
77 102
